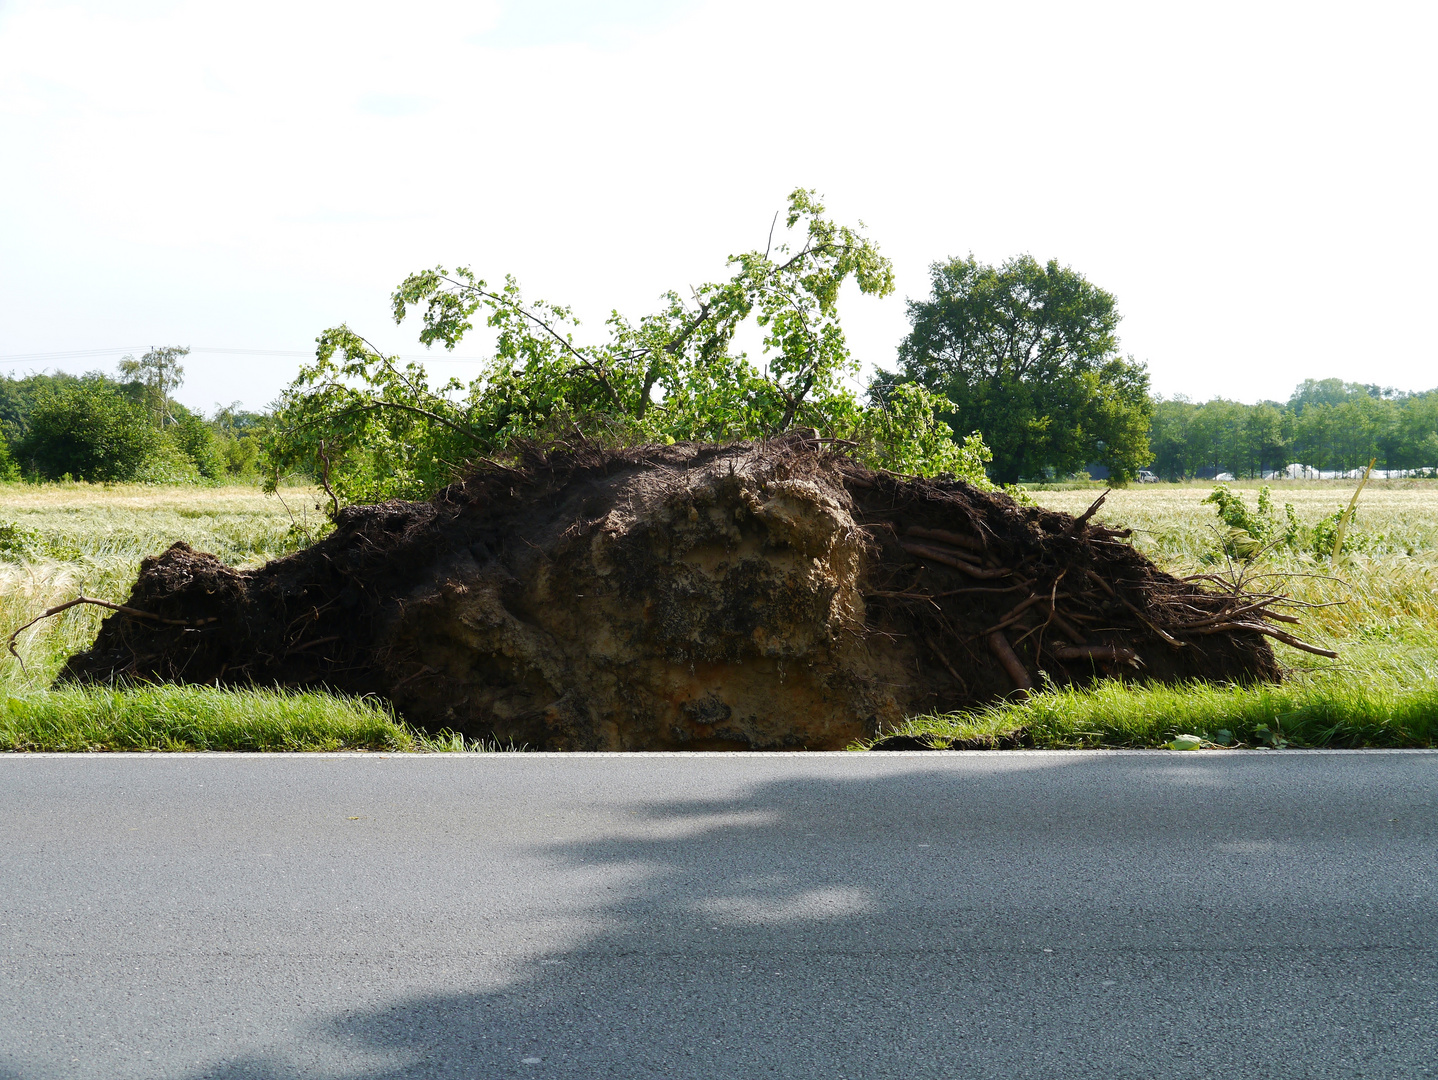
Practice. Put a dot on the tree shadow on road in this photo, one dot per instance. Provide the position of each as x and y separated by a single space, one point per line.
919 921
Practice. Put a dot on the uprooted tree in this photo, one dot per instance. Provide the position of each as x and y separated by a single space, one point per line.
750 595
373 427
655 541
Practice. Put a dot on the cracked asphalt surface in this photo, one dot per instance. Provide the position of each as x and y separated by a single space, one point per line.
1026 914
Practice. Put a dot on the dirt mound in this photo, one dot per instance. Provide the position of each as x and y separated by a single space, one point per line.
693 596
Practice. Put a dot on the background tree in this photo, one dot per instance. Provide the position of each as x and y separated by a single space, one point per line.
1265 439
197 440
188 449
9 468
89 430
238 434
1029 356
1170 438
160 374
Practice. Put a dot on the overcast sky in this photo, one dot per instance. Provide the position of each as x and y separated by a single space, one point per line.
1253 181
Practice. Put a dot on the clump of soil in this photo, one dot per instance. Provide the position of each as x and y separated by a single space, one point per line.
754 595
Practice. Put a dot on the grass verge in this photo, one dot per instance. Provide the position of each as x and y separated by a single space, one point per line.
195 718
1114 715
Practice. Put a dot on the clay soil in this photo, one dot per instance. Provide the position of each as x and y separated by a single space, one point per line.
754 595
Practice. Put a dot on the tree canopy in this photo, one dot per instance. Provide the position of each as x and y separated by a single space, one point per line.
93 427
87 429
159 373
376 428
1028 354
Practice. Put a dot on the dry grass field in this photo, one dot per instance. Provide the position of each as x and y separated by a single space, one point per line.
1389 584
60 540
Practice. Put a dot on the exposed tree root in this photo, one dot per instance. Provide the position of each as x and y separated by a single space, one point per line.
750 595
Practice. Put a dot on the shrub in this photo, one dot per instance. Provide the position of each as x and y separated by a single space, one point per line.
196 440
88 430
8 469
167 464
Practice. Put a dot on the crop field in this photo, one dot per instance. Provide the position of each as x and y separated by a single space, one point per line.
1377 605
60 540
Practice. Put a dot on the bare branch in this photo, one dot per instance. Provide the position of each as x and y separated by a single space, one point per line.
134 613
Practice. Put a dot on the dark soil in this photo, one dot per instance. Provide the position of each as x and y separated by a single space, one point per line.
692 596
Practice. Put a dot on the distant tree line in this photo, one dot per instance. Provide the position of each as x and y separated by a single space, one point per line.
1327 424
99 428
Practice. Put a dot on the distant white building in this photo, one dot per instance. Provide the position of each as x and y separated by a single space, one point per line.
1299 471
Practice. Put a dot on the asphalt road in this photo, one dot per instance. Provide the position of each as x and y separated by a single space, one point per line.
885 915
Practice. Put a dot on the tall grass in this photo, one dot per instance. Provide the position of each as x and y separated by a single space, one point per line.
59 540
194 718
1333 712
170 718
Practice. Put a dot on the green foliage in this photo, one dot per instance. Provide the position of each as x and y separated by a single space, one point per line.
18 398
374 428
106 442
903 433
237 440
197 441
87 429
17 542
166 464
9 469
1326 536
1250 532
1028 355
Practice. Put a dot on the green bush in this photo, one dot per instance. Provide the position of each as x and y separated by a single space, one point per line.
167 464
241 455
1250 531
374 427
196 439
87 430
8 469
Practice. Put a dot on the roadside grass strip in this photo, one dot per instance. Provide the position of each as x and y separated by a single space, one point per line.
1338 714
196 718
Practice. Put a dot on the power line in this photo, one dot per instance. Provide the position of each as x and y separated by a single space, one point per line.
82 354
76 354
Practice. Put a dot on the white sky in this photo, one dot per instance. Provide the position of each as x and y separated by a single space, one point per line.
1254 181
